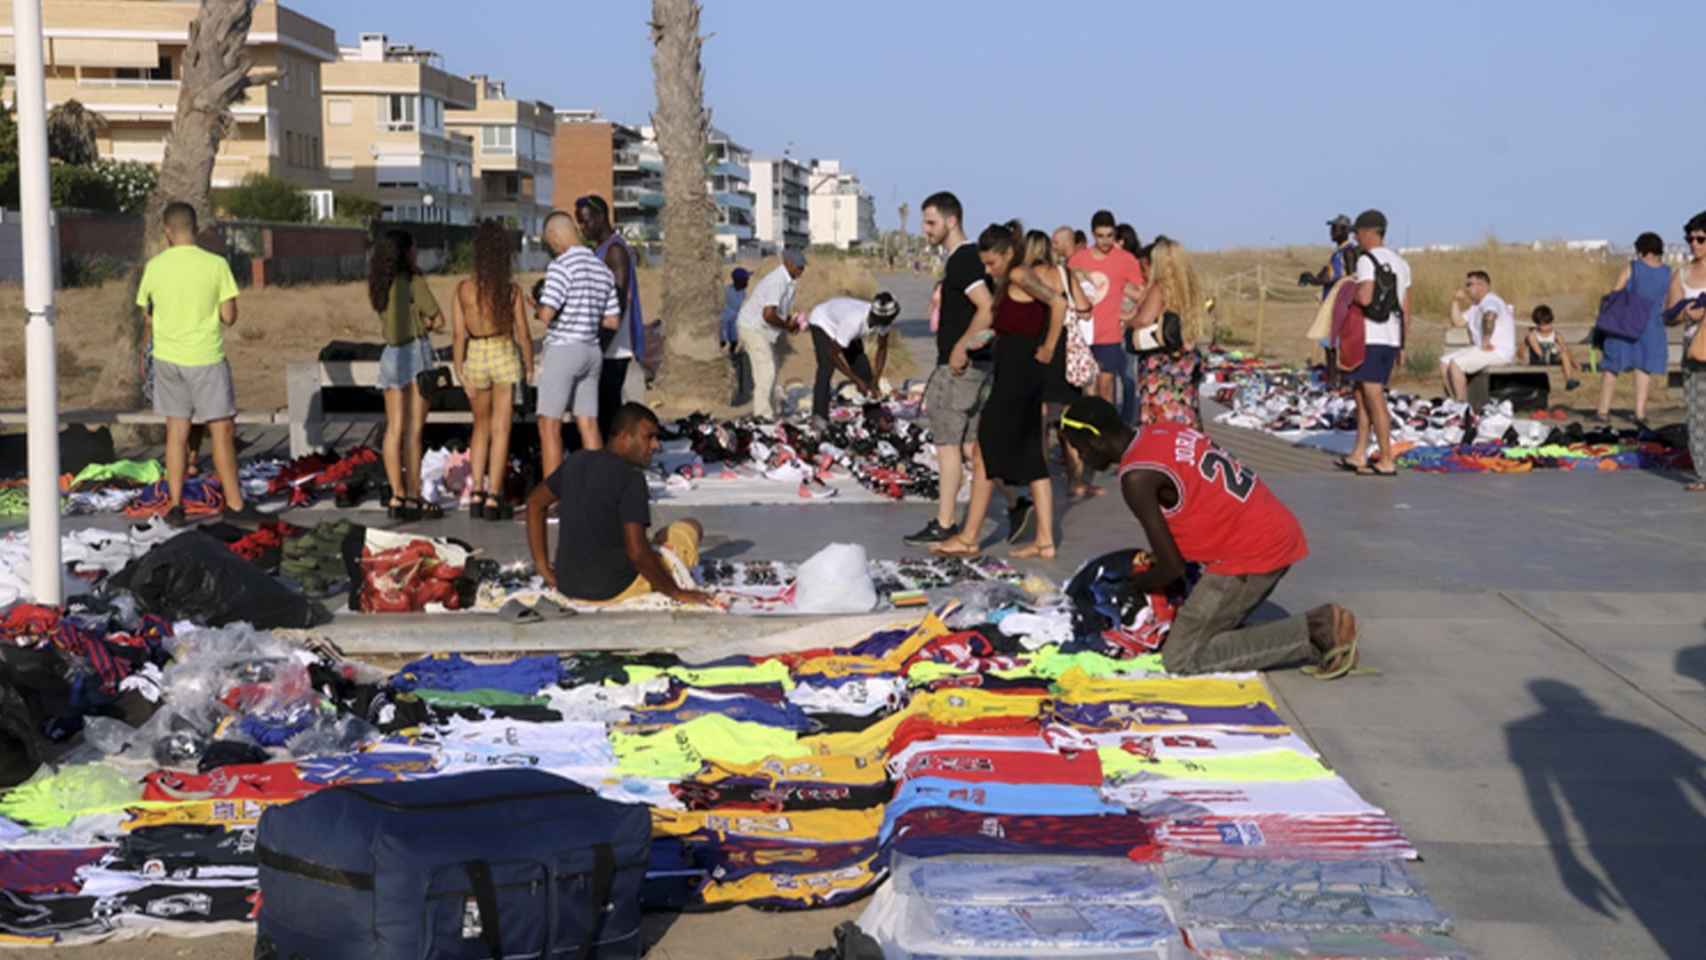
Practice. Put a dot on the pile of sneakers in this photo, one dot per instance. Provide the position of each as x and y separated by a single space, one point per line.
314 561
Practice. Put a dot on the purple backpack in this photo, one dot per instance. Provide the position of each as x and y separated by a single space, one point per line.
1624 313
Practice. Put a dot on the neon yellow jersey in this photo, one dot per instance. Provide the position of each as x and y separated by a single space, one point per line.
802 826
814 889
960 706
767 671
679 751
1050 663
182 288
833 768
1076 686
1264 765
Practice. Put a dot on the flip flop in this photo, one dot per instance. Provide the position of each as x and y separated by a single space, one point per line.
552 610
1341 661
1345 464
517 612
953 548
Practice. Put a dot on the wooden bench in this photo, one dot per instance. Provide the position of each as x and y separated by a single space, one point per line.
1580 340
19 418
306 413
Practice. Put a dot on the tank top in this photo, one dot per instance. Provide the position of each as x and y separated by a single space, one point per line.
1689 331
630 338
1546 338
1017 318
1226 518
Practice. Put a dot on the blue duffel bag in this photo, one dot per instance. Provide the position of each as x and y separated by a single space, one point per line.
499 865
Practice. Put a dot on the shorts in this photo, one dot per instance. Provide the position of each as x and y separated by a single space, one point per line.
1377 364
681 540
199 394
1110 358
1473 360
568 380
490 361
1549 356
953 403
400 365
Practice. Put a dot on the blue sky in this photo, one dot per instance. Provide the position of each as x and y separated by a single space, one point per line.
1220 124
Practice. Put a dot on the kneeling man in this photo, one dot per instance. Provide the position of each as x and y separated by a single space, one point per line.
1196 503
603 554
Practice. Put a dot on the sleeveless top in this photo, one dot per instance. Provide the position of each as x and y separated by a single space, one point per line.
1651 284
410 303
632 335
1690 330
1226 518
1023 319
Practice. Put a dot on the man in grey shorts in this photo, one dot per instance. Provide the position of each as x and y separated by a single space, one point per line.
954 396
187 295
577 299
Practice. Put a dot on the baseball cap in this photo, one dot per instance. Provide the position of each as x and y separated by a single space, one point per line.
1371 220
1339 221
884 306
740 274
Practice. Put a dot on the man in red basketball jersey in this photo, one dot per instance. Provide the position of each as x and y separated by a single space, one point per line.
1197 504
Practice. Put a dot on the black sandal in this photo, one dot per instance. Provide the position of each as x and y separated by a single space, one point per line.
498 507
477 506
425 510
401 508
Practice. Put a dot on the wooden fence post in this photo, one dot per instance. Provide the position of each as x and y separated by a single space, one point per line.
1261 305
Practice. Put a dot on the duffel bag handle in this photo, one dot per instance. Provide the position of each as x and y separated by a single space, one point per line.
486 899
603 877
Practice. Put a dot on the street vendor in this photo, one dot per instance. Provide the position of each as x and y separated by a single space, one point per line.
838 327
1197 504
603 553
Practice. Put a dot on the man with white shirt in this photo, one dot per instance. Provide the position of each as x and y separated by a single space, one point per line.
838 327
1492 334
763 318
1383 293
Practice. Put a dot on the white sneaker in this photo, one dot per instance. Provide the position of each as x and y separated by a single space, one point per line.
787 473
816 490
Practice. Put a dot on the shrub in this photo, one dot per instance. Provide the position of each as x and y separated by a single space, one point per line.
91 271
461 258
82 188
1421 361
264 198
131 181
354 208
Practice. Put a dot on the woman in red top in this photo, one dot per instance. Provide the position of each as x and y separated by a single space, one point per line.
1198 504
1030 315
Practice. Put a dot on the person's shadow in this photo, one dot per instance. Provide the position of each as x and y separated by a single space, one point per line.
1619 778
1691 662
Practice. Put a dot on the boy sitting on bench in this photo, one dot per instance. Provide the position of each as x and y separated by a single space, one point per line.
1542 348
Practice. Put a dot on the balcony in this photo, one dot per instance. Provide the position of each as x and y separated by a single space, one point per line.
736 171
638 197
632 160
732 200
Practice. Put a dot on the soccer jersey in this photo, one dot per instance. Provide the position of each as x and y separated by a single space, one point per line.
1274 835
806 826
995 798
796 891
1226 518
934 831
1004 766
1268 765
1076 686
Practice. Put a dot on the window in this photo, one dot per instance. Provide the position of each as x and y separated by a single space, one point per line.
341 168
340 113
401 111
497 139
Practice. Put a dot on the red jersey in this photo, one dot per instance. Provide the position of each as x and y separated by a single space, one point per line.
1226 518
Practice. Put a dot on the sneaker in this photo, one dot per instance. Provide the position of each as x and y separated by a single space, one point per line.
933 532
176 518
249 514
1021 518
1572 384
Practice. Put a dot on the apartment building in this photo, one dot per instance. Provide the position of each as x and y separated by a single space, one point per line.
387 135
728 178
843 215
602 157
122 59
513 154
781 188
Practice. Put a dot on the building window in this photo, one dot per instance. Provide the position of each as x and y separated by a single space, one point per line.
497 139
401 111
340 113
341 168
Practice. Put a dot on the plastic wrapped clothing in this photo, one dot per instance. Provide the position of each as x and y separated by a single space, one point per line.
195 577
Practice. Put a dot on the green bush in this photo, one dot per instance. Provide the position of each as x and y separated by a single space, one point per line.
83 188
131 181
264 198
1421 361
91 271
354 208
461 258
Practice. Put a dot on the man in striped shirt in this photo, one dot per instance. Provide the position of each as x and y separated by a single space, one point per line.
578 298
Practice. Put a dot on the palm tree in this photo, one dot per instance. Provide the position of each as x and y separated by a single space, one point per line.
216 71
905 208
694 372
72 130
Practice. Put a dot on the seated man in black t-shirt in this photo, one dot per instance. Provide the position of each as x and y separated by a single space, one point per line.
603 554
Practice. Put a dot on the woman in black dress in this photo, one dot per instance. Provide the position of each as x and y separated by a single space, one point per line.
1030 316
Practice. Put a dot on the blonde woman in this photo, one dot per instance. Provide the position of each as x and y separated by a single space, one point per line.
1166 365
492 350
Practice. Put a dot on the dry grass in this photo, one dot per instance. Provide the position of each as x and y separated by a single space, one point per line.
278 326
1571 283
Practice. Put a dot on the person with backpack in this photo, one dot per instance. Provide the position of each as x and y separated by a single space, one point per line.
1383 293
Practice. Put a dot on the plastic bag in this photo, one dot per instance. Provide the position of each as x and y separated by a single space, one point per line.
195 577
978 601
837 579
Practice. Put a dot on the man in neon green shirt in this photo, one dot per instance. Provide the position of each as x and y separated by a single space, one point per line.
186 295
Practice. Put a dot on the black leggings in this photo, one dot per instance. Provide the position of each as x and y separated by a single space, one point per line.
825 347
611 377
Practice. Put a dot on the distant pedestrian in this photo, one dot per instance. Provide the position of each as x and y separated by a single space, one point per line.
1342 262
728 337
763 319
1648 356
1689 285
1166 366
1383 291
1079 241
1114 275
408 312
577 300
954 394
627 343
838 327
492 351
187 294
1492 334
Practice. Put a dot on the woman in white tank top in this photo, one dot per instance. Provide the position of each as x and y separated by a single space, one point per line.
1689 283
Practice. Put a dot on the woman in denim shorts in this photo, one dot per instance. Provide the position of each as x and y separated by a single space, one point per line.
407 313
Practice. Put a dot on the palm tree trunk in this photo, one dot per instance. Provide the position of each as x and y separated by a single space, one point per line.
215 74
694 373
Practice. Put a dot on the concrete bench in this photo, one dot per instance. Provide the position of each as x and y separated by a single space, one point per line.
307 416
19 418
1580 340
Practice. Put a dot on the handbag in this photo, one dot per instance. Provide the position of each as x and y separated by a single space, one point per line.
1623 313
1080 362
1163 334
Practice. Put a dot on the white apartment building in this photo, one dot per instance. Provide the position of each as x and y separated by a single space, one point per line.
780 189
842 214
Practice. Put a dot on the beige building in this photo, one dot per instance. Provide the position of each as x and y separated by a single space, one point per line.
512 154
122 59
387 135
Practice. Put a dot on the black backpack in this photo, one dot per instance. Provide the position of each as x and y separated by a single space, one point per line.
1385 304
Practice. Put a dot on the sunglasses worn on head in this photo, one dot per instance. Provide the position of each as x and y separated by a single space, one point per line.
1071 424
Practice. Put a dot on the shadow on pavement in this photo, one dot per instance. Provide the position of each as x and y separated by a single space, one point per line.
1640 780
1691 663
